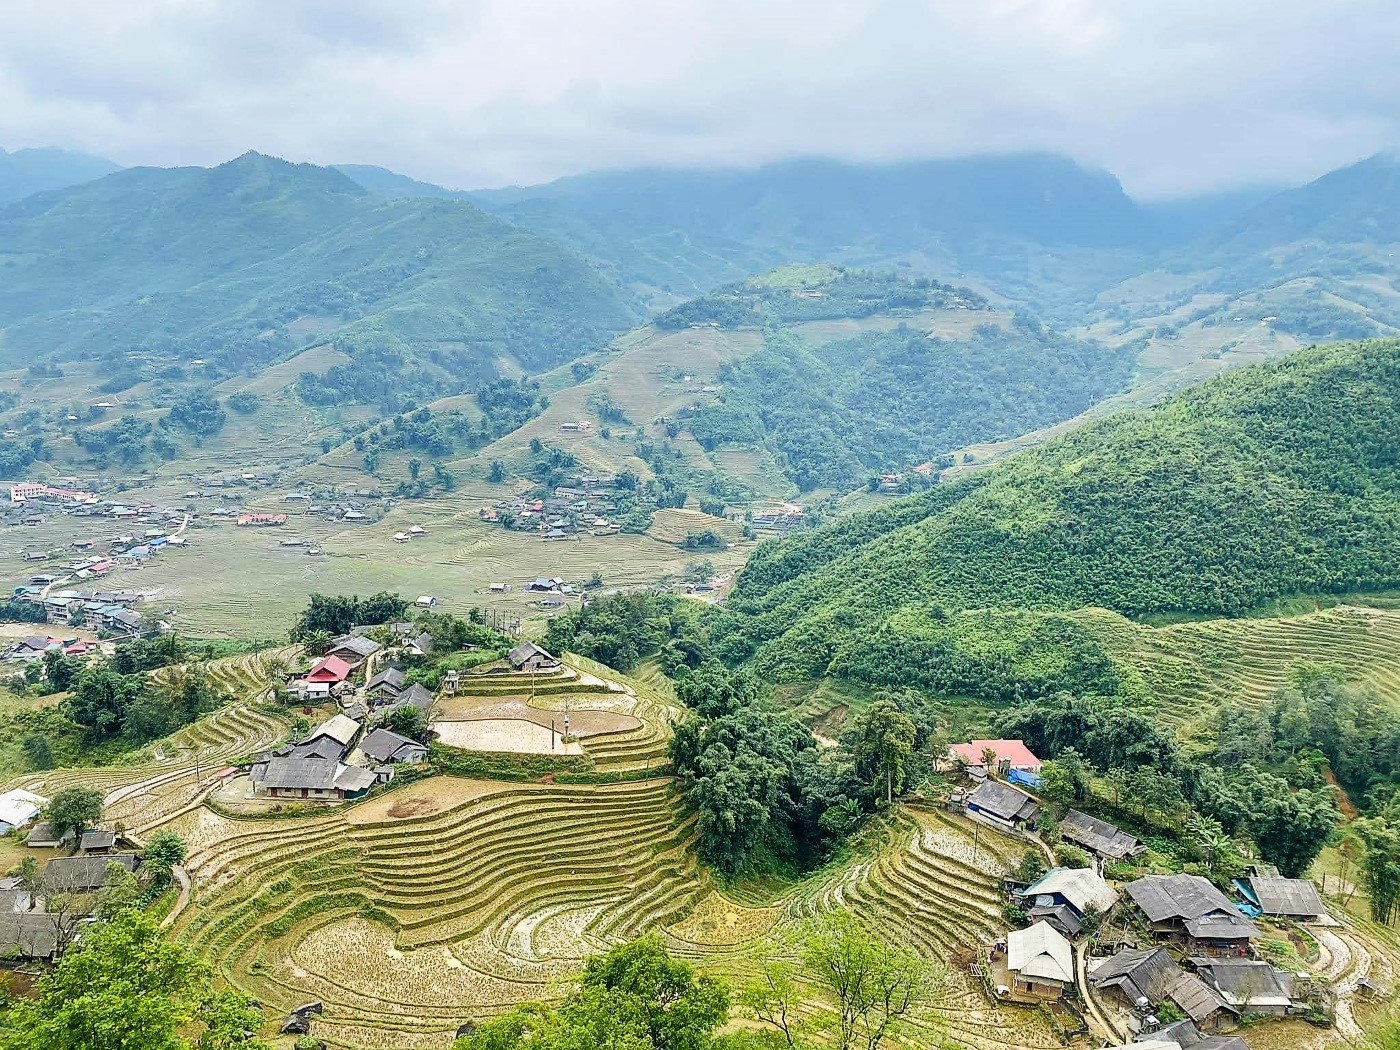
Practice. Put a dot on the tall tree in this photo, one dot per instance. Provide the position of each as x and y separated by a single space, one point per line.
125 988
882 740
874 985
74 809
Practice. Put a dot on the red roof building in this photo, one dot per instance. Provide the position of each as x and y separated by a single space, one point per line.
329 669
1011 754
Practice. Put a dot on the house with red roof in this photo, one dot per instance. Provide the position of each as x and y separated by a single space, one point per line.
1010 755
330 670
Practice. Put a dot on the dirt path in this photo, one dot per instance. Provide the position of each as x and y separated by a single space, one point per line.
1096 1015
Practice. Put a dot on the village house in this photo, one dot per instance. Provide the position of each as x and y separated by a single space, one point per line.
1188 908
1064 896
1099 837
84 874
325 673
527 656
29 935
43 836
416 696
19 809
1248 986
1012 759
353 649
387 683
1039 963
1295 899
311 779
1142 979
1184 1035
385 746
420 646
1002 806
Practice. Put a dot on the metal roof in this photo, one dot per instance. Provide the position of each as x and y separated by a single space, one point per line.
83 874
1164 897
1080 886
1292 897
295 774
1100 836
383 745
339 728
1040 951
1002 801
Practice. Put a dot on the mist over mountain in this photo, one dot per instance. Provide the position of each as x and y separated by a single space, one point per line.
27 171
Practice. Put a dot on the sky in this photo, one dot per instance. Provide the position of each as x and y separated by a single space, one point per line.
1175 97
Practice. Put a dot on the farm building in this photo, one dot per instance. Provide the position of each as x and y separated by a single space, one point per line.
1039 962
19 808
527 656
1099 836
1063 895
1248 986
84 874
425 601
1002 806
1149 977
29 935
388 682
43 836
385 746
1189 908
354 649
1285 898
309 778
97 840
544 584
420 646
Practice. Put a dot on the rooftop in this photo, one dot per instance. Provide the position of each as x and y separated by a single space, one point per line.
1040 951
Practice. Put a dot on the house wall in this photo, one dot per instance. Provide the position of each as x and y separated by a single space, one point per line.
1039 989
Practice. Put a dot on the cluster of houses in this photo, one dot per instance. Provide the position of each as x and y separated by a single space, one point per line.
31 649
351 752
38 922
1194 956
110 612
587 505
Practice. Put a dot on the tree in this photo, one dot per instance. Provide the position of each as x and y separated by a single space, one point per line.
635 997
774 999
118 894
1380 867
74 809
165 851
408 721
882 740
59 670
875 986
1291 827
124 987
497 473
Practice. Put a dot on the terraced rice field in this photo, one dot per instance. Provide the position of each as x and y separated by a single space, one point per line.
622 724
170 776
407 926
1194 668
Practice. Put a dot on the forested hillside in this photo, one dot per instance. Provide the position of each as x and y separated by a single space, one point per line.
846 411
242 264
1270 481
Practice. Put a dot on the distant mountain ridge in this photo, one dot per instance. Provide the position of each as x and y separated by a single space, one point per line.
27 171
242 263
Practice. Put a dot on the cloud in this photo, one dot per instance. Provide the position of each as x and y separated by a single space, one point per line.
1174 98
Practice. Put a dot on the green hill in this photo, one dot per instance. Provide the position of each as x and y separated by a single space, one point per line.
810 378
28 171
246 263
1269 481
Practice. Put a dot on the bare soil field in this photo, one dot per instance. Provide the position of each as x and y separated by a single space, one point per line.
515 735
